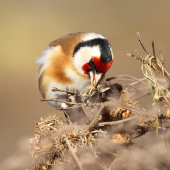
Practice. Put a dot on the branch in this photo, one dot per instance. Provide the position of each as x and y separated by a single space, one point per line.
74 155
96 117
140 40
67 91
118 121
151 61
62 101
131 77
153 48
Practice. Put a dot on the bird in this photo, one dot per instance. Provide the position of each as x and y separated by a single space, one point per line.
73 61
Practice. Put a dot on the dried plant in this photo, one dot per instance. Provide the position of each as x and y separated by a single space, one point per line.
107 140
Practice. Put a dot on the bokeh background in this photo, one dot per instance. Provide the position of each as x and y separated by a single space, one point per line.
28 26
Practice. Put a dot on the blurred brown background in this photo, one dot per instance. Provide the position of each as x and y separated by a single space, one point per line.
28 26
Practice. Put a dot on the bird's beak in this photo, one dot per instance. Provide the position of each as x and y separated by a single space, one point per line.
95 77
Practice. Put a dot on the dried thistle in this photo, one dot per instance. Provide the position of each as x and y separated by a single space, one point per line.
103 142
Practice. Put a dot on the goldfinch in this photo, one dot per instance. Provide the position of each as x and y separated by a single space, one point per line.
73 62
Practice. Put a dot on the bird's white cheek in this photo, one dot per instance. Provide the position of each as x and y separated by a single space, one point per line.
84 55
95 51
81 57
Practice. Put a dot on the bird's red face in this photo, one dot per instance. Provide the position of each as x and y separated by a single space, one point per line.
95 68
100 66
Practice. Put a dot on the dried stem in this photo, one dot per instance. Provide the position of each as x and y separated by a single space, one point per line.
96 116
118 121
74 155
68 92
62 101
153 48
140 40
131 78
